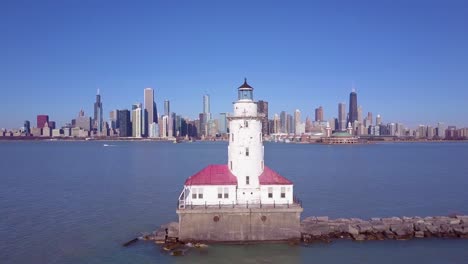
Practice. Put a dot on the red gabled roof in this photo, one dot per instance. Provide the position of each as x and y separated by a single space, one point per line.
271 177
220 174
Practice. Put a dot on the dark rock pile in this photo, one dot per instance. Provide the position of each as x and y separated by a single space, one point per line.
324 229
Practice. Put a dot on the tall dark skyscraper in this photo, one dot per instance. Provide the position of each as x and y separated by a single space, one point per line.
167 107
125 125
262 108
27 127
283 122
353 109
97 121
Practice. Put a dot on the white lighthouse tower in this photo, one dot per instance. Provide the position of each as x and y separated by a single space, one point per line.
243 199
246 146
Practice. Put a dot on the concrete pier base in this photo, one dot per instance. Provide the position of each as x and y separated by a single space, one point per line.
240 224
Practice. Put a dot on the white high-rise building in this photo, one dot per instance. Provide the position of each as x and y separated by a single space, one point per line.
297 122
137 118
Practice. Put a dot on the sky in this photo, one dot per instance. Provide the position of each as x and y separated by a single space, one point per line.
408 60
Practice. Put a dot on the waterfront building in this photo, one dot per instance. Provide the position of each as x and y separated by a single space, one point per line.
359 114
36 131
51 124
153 130
137 118
113 117
378 120
206 107
66 131
57 132
83 121
262 108
42 120
222 123
27 127
276 124
369 119
440 130
167 107
125 125
341 116
290 124
164 127
46 131
319 114
353 109
150 108
283 122
98 119
340 138
241 194
297 122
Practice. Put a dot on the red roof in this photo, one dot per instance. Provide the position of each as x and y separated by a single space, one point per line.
213 175
220 174
271 177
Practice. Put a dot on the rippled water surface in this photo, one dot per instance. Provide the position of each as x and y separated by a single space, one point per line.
77 202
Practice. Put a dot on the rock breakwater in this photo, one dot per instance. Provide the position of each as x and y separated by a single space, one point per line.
324 229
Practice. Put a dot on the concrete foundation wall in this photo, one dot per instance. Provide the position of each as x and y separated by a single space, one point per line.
240 224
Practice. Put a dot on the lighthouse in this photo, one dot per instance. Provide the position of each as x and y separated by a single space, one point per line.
218 202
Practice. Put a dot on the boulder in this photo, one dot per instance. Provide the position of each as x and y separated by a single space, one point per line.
380 227
419 234
352 230
322 218
359 237
364 227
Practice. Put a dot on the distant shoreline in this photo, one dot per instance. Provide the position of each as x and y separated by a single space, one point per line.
174 140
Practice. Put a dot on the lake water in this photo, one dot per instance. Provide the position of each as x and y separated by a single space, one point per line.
77 202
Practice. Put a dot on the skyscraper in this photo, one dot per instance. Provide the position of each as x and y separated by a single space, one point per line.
27 127
319 114
41 120
206 107
113 116
137 118
125 125
353 110
167 108
151 113
222 123
378 120
98 113
359 114
206 103
341 116
262 109
283 121
290 124
297 121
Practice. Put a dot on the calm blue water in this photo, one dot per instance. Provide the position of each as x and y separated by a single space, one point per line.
77 202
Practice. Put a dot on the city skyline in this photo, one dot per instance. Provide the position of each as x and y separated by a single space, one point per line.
401 66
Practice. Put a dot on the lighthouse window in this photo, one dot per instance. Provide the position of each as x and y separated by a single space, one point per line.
247 180
230 165
283 192
200 193
194 193
220 192
232 137
246 123
270 192
247 152
226 193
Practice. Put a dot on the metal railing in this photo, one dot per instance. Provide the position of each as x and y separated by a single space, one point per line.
182 204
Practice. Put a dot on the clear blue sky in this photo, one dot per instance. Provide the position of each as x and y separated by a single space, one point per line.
407 59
